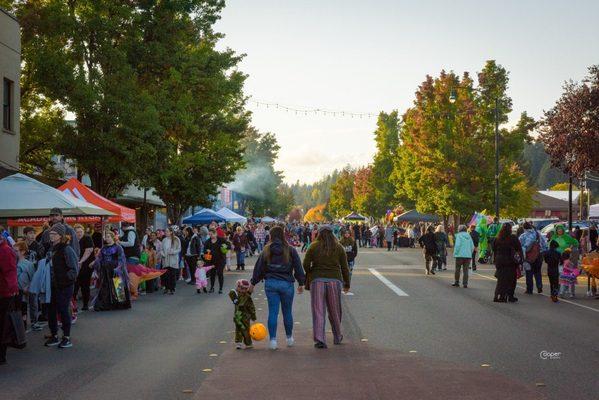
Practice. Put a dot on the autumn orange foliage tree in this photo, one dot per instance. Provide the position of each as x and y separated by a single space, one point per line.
316 214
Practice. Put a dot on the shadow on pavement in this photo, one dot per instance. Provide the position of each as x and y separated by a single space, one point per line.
351 371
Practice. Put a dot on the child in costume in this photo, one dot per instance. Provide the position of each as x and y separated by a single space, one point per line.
567 278
244 313
201 276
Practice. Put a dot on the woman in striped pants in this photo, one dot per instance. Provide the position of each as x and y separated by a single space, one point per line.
326 268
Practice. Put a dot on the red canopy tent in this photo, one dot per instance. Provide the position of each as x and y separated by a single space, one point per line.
77 189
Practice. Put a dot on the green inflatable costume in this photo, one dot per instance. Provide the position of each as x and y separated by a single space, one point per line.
483 243
564 240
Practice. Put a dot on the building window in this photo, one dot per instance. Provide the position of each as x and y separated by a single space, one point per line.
7 104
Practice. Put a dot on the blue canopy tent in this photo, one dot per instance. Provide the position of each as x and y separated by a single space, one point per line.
205 216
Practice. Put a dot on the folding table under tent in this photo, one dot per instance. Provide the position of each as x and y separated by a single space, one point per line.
204 217
24 197
232 216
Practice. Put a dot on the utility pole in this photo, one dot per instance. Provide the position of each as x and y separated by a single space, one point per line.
570 203
497 157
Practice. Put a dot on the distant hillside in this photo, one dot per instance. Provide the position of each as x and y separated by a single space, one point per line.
536 165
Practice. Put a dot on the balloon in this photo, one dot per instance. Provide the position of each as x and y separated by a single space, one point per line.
258 331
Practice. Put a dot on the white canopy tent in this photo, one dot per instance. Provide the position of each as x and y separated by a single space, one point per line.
594 211
22 196
232 216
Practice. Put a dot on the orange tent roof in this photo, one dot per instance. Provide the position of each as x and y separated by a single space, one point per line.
79 190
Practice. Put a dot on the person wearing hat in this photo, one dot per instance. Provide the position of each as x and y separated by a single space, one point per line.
57 218
63 275
327 272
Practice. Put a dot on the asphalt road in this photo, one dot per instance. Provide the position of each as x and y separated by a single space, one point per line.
413 336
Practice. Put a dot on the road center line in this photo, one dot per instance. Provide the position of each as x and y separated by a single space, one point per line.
542 294
387 282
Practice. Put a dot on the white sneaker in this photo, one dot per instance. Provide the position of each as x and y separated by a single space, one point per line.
273 344
238 346
290 341
349 294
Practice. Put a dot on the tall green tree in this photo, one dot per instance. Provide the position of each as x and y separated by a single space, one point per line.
200 96
386 137
445 160
342 194
76 54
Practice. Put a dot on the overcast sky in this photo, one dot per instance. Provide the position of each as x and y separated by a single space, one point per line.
370 56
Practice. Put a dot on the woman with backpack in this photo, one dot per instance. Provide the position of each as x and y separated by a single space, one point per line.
533 246
279 266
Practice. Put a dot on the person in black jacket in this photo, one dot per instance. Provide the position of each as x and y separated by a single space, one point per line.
63 276
280 266
194 249
475 239
507 251
429 246
552 258
215 253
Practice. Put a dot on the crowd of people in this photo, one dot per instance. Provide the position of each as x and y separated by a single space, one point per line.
50 275
514 255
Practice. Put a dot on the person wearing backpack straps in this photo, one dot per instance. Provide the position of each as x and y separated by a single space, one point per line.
279 266
533 246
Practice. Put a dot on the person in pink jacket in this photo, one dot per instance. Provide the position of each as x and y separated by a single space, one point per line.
8 286
201 276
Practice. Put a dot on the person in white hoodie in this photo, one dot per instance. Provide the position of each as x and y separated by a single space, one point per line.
171 247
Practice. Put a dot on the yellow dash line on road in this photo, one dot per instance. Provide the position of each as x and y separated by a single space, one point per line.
543 294
207 370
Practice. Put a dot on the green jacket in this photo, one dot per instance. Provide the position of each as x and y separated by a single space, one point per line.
317 264
244 306
564 240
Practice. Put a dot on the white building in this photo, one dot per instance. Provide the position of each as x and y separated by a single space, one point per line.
10 72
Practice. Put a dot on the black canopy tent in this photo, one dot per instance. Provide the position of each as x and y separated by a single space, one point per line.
415 216
354 216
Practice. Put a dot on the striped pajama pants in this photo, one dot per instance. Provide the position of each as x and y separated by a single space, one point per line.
326 296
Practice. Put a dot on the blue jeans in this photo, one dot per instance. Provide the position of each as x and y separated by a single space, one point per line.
240 259
350 266
279 292
535 271
260 246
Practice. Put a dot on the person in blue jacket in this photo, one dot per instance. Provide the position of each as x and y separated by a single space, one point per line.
462 252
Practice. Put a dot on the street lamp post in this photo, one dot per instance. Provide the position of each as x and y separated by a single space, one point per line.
452 99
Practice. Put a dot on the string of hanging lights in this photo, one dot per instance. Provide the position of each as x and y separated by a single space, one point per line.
305 111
